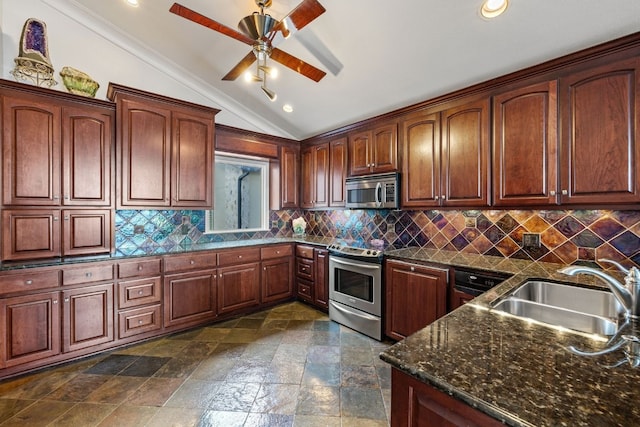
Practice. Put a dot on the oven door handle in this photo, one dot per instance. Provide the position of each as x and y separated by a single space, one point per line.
351 264
353 313
378 194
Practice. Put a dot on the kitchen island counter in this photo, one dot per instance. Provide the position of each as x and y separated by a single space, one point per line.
513 370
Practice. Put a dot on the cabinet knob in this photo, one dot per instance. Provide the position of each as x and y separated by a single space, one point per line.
66 197
55 301
66 217
264 268
28 282
413 269
277 252
436 198
139 322
89 274
140 268
239 256
56 197
565 192
55 218
192 262
442 197
139 292
552 192
66 299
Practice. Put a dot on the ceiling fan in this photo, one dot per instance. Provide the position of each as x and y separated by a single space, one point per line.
259 30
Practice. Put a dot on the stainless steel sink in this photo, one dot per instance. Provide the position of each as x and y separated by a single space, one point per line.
581 309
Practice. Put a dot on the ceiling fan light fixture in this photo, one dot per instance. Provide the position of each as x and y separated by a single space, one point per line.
250 77
493 8
256 25
270 94
272 72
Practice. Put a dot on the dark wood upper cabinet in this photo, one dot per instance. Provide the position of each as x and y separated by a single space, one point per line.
465 154
289 177
374 150
315 176
600 154
525 145
165 151
87 143
31 141
420 136
337 172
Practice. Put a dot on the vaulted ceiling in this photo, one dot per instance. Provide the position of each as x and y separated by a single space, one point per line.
378 55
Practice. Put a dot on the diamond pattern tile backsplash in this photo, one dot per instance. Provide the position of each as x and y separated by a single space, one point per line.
565 236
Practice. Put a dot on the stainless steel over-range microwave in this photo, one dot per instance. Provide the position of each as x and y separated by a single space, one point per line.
379 191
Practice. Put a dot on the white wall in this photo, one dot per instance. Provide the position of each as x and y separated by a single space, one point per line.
89 50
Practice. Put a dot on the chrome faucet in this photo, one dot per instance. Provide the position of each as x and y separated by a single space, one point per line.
628 295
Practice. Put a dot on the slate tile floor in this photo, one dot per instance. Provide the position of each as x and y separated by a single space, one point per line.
285 366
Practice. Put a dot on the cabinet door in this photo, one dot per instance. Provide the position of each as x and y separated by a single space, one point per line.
416 296
337 172
525 146
144 154
384 149
465 154
321 175
30 233
421 161
416 404
192 161
189 298
238 287
86 156
600 134
277 279
87 317
31 151
30 327
308 179
86 231
289 178
321 281
359 156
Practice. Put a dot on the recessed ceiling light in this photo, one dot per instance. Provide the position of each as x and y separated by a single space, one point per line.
287 108
493 8
134 3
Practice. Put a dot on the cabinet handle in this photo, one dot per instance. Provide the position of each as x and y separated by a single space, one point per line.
552 192
28 282
565 192
66 299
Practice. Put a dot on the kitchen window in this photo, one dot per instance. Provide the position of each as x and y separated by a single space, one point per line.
241 195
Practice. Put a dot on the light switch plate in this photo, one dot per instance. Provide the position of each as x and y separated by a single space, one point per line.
531 240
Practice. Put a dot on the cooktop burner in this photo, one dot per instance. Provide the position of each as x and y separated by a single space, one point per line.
338 248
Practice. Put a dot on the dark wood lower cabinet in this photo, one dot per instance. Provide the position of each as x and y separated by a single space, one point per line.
416 296
30 327
238 287
87 317
189 298
277 279
416 404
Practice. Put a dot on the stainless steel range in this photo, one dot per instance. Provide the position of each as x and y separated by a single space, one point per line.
355 288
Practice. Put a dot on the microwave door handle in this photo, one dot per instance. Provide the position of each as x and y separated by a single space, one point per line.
378 194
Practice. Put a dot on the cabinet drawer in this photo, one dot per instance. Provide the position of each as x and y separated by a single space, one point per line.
304 268
304 251
134 293
147 267
239 256
276 251
194 261
304 290
29 281
87 274
139 321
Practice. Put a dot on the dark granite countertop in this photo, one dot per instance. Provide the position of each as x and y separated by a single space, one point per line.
513 370
135 252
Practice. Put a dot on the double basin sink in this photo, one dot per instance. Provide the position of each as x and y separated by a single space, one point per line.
571 307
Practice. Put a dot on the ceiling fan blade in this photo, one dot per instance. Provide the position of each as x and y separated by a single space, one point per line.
241 67
196 17
297 65
299 17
